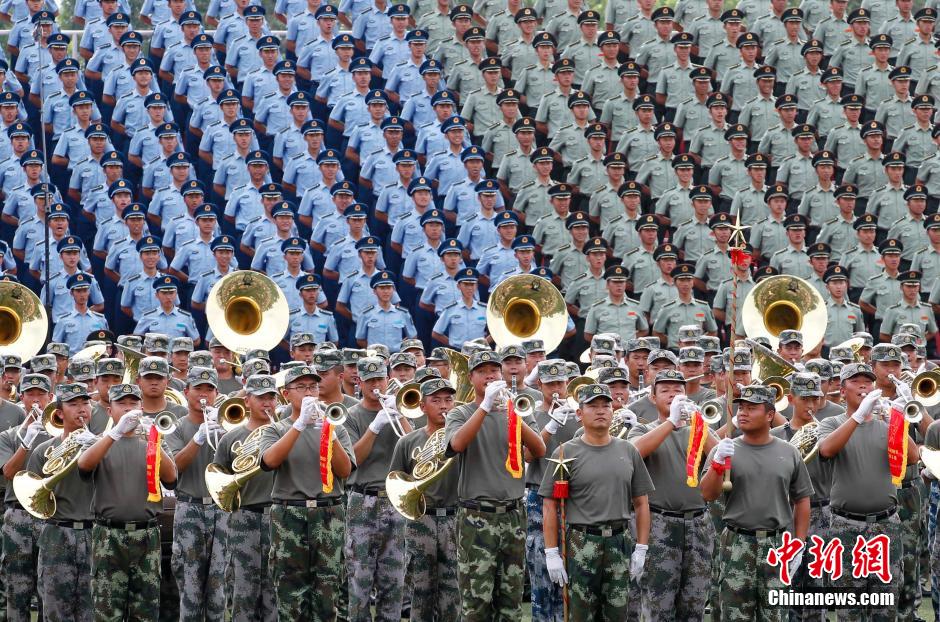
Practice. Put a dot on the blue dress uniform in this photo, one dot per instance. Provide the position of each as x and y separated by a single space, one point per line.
372 23
209 278
269 257
390 50
462 196
97 32
343 258
319 323
138 294
319 58
356 293
446 167
175 322
35 256
58 283
352 108
232 172
338 81
423 260
303 171
180 59
458 322
75 326
385 325
441 291
302 28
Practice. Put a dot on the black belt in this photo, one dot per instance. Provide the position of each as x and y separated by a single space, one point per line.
440 512
72 524
491 507
866 518
380 492
819 504
308 503
197 500
686 515
606 530
755 533
258 508
127 525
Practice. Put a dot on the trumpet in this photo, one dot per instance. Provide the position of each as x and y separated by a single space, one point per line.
213 440
335 414
711 412
523 405
164 422
914 410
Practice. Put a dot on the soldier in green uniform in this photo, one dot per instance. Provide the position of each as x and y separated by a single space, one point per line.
760 113
692 113
874 80
531 202
724 294
706 28
757 509
617 313
769 235
929 172
656 170
887 201
818 203
833 29
588 172
639 27
675 205
748 202
602 81
607 484
639 142
589 287
738 81
656 52
565 25
681 532
550 231
896 112
798 170
445 30
432 538
883 290
570 141
808 82
724 54
927 260
909 309
585 52
675 79
910 229
537 78
714 266
126 535
846 316
515 168
604 202
786 54
307 515
498 139
663 290
694 236
709 142
683 311
853 53
490 533
618 113
825 112
863 261
778 141
917 50
845 139
793 259
153 380
915 141
866 171
570 261
641 262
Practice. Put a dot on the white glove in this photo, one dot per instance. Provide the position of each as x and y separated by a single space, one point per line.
382 419
126 424
146 423
725 449
559 417
493 389
309 412
208 428
794 564
556 566
903 391
32 431
388 402
637 561
86 439
628 417
864 409
212 414
532 378
675 411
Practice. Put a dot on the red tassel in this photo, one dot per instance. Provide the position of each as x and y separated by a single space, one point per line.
560 490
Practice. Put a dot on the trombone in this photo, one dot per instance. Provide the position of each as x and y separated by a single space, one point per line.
400 394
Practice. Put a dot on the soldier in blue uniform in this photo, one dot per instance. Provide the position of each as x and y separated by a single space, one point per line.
384 322
74 326
464 319
138 295
168 318
69 249
310 318
223 252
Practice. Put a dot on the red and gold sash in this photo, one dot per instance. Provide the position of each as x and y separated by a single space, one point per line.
514 459
154 491
326 457
698 432
897 445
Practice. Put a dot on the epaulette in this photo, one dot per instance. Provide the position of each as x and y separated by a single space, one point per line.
778 41
908 127
351 274
671 303
151 312
186 243
780 252
95 313
207 273
847 42
734 66
418 247
651 158
909 41
682 224
861 157
294 311
600 302
401 308
324 311
704 302
453 304
133 278
686 101
527 184
628 253
186 313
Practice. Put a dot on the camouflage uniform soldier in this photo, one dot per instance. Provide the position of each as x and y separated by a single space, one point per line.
198 530
248 582
307 522
606 480
490 531
432 538
682 534
64 544
125 562
864 500
758 509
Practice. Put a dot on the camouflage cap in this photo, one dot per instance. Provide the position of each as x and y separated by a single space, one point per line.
603 345
533 345
483 357
652 342
691 354
850 370
716 365
36 381
71 391
437 354
742 360
511 351
433 385
302 339
402 358
325 346
820 367
658 354
253 367
690 332
81 370
411 344
380 350
262 384
42 362
609 375
370 367
324 361
200 358
590 392
791 336
58 349
258 353
552 371
181 344
154 366
904 340
806 384
11 361
841 353
202 375
885 352
119 391
668 375
109 367
869 342
474 345
633 345
757 394
156 342
573 369
134 342
352 355
426 373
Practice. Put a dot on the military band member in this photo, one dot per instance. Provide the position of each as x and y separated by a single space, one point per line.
153 380
198 537
64 543
681 532
491 536
432 538
607 482
759 507
307 515
126 536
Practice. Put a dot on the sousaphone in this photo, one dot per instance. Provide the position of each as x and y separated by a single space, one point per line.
526 306
782 303
245 310
23 321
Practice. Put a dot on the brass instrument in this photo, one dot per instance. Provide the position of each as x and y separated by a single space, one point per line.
247 310
408 401
165 422
335 414
914 410
232 412
406 491
225 485
460 376
806 439
572 388
235 364
523 405
926 387
619 427
856 344
391 391
525 306
712 411
35 492
23 322
92 352
771 370
785 302
52 419
710 416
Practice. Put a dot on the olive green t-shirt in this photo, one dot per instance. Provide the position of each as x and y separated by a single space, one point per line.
483 473
72 493
766 481
702 395
99 418
121 482
536 468
298 477
229 385
371 474
666 466
602 481
257 489
861 478
191 481
10 415
645 410
178 411
820 471
9 443
443 492
932 438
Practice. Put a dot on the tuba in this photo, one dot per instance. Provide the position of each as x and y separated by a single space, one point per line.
35 492
406 491
785 302
23 322
460 376
225 485
525 306
246 309
771 370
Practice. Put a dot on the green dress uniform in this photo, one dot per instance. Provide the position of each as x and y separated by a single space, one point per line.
587 173
535 81
919 55
721 58
657 173
929 82
676 204
551 233
840 235
832 32
675 82
843 321
637 144
707 32
617 113
778 143
450 51
501 27
825 114
902 313
654 54
498 139
723 301
519 55
739 84
852 56
710 144
819 204
488 9
713 267
570 143
515 169
798 172
916 143
900 30
564 27
532 200
868 174
637 30
481 109
863 265
881 292
695 238
585 291
808 89
622 235
769 236
691 115
759 114
643 268
786 56
689 12
749 203
874 85
656 295
896 114
769 27
602 82
568 263
911 234
845 142
929 174
547 8
465 77
730 174
605 205
671 317
439 29
617 12
625 319
888 203
585 55
927 262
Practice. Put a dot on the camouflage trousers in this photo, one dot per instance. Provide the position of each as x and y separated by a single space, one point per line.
249 588
375 557
125 574
199 561
306 561
599 576
547 605
65 574
19 561
676 581
432 551
909 511
819 519
933 544
745 578
847 531
716 509
490 564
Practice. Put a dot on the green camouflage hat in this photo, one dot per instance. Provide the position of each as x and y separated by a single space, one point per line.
850 370
156 342
255 366
411 344
820 367
691 354
300 371
81 370
371 367
351 355
58 349
690 332
202 375
791 336
200 358
134 342
885 352
35 381
181 344
109 367
483 357
668 375
262 384
434 385
402 358
325 361
380 350
843 354
533 345
11 361
742 360
602 345
609 375
552 371
426 373
904 340
71 391
803 384
711 345
301 339
590 392
511 351
118 391
658 354
259 353
757 394
43 362
154 366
